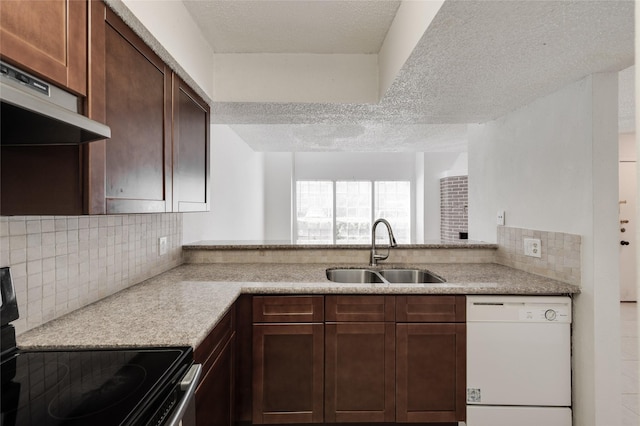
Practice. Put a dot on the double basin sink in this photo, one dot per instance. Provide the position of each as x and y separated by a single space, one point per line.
382 276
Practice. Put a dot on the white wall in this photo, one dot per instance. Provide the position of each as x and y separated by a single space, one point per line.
237 193
627 147
278 195
172 25
552 166
270 77
355 165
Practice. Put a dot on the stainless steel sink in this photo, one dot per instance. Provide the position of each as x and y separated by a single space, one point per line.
385 276
410 276
352 276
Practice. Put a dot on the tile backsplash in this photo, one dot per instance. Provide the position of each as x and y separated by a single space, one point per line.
560 255
62 263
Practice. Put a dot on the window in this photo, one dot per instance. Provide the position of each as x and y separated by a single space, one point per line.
342 212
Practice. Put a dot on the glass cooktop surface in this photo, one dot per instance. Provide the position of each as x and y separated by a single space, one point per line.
97 387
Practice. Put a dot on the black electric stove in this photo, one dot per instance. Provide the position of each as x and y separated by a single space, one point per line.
132 386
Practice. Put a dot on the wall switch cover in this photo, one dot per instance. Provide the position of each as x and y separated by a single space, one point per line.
532 247
162 246
501 217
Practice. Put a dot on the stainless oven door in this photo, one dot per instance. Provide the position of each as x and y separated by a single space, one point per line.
185 411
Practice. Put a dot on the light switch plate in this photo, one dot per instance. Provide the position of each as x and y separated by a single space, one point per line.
532 247
162 246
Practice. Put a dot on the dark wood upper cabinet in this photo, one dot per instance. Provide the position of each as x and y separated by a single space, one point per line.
47 38
157 159
191 191
130 90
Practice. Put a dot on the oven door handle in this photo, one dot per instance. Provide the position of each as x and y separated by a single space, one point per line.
188 385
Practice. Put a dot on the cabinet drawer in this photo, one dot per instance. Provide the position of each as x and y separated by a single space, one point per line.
360 308
207 351
288 309
430 309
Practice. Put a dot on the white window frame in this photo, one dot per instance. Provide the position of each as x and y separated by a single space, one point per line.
294 216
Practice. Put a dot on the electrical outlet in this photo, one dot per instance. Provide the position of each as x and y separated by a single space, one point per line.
501 217
162 246
532 247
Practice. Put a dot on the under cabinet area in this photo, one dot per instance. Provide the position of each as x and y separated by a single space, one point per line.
358 359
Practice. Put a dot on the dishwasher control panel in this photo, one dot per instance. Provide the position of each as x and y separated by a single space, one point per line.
547 309
544 314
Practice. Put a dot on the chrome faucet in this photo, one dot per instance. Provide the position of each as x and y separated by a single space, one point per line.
373 260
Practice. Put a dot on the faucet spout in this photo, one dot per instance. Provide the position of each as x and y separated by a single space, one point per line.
374 257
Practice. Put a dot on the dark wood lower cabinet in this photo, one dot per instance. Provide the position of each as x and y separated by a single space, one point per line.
359 367
215 395
431 372
359 372
288 367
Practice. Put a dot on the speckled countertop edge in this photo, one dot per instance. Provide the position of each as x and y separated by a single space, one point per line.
181 306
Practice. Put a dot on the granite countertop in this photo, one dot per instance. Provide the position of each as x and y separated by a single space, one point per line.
181 306
288 245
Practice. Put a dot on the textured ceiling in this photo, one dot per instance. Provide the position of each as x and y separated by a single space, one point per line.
477 61
317 26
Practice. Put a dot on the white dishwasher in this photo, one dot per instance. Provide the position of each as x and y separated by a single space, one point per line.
518 361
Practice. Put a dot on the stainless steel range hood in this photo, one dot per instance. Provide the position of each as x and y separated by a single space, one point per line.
33 112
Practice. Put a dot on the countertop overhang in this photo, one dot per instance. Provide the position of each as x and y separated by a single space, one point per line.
180 307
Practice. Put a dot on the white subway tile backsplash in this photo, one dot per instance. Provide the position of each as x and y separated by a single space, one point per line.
60 264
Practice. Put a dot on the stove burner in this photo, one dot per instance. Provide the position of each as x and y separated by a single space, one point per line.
50 377
97 393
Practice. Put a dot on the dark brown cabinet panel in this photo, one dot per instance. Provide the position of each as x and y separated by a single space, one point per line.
430 308
431 372
360 308
191 191
215 394
359 372
288 308
130 90
48 38
288 370
52 175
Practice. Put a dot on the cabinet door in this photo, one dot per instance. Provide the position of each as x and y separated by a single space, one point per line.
130 92
360 372
288 365
215 393
191 189
47 37
431 372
